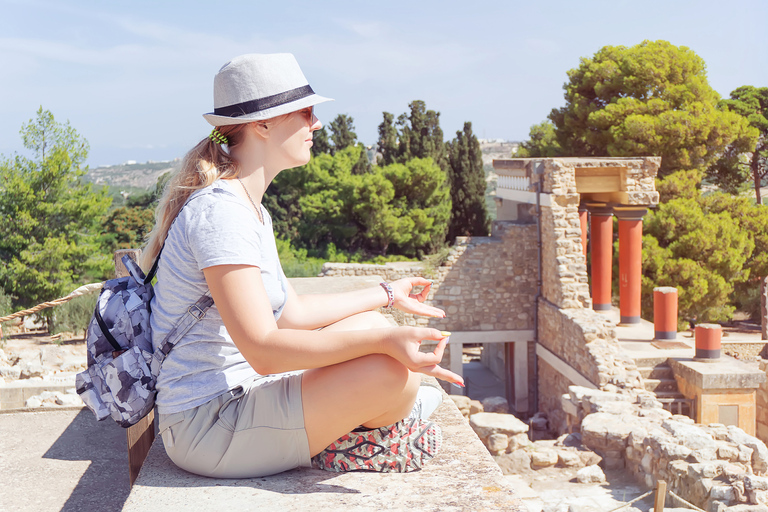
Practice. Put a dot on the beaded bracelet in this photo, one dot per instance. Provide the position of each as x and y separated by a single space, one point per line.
390 295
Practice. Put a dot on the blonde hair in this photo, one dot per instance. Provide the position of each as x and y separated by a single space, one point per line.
204 164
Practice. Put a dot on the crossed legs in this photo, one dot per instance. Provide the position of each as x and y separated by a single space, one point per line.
372 391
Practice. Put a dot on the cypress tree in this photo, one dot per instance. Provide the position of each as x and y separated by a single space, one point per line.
468 216
387 140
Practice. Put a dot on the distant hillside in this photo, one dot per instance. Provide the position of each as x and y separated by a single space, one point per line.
131 176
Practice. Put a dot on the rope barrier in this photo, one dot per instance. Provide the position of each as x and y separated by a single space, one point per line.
83 290
689 505
634 500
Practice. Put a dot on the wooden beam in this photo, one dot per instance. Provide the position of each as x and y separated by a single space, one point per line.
142 434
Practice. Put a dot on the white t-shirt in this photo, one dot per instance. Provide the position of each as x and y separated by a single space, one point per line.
215 227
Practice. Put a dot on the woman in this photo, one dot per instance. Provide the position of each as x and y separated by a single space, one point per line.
268 379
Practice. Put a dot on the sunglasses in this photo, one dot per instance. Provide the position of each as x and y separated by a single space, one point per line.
308 114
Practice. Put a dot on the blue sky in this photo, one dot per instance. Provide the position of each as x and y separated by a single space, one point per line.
134 77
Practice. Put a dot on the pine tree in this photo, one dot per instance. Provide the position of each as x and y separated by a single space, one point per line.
387 140
320 142
342 132
467 178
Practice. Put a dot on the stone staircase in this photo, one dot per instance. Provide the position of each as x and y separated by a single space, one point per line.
659 378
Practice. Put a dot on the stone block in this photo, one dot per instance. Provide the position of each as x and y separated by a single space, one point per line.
497 443
487 423
727 452
605 432
569 459
590 474
543 458
515 463
475 406
497 404
688 435
759 451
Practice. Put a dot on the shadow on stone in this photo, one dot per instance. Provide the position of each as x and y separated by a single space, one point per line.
104 486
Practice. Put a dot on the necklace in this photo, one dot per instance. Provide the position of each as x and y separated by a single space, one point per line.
258 210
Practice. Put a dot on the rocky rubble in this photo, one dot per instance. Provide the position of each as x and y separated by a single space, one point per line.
43 365
712 466
715 467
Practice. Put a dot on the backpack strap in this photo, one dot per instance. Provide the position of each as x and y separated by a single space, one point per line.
194 314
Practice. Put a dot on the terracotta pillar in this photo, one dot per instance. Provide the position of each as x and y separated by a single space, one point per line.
630 260
584 223
708 341
601 231
665 313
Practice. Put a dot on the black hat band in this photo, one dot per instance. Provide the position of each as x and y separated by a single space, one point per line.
249 107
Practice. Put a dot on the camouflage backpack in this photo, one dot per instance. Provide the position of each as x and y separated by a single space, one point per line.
122 365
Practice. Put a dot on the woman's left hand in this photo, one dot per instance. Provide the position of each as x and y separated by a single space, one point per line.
408 302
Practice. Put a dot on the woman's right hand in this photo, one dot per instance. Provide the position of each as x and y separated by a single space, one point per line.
403 344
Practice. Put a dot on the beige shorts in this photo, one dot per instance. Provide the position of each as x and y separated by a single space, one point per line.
256 429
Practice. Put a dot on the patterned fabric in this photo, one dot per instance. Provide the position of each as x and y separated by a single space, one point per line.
399 448
122 368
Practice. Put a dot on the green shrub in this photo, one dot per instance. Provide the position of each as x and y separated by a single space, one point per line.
73 316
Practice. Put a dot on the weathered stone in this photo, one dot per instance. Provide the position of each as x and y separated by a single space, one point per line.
723 493
10 372
675 451
569 459
702 455
726 452
33 401
589 458
31 370
755 483
487 423
571 440
496 404
497 443
514 463
475 406
462 403
52 355
687 434
759 450
678 468
543 458
68 399
603 431
732 472
702 470
518 441
590 474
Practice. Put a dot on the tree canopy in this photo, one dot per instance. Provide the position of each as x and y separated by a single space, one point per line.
468 215
49 218
652 99
745 161
395 209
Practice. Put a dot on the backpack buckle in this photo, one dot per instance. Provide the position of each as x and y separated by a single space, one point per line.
196 312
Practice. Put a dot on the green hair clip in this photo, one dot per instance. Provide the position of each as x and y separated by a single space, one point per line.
217 137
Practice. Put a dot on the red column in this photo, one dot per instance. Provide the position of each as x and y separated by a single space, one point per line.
665 313
584 224
630 260
601 229
708 341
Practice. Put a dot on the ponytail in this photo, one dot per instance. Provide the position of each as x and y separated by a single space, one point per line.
204 164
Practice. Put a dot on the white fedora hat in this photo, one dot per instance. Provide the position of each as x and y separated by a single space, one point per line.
259 86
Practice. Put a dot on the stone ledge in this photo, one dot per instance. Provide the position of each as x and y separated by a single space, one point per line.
463 476
723 373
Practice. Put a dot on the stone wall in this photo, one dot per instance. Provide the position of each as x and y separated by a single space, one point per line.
711 466
761 406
